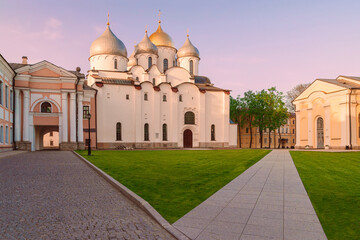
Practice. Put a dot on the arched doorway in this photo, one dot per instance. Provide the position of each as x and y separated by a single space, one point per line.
46 137
188 138
320 132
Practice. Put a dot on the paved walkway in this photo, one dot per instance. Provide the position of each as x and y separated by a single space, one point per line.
54 195
267 201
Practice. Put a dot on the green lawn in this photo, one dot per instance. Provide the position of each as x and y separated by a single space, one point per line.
175 181
332 181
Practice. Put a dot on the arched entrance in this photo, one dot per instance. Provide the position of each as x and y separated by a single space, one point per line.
320 132
46 137
188 138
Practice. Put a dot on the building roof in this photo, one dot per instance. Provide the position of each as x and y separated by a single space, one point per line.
349 85
18 65
202 79
208 87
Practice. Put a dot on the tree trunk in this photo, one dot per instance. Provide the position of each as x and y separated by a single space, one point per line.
261 138
279 138
269 138
274 138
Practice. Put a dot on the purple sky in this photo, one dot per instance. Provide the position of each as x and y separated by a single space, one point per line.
243 45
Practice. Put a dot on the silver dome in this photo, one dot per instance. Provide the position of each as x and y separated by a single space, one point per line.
146 46
188 50
132 60
108 43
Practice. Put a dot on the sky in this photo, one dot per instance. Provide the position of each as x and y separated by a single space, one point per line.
244 45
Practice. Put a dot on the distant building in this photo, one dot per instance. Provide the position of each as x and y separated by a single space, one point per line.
286 135
6 105
328 114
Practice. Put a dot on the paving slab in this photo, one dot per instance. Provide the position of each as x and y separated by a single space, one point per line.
55 195
267 201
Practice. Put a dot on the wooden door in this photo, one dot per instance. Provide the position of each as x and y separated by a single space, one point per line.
188 138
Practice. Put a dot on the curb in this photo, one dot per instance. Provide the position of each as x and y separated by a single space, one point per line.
144 205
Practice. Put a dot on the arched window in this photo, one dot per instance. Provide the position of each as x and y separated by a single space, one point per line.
164 98
149 62
166 64
191 67
212 132
145 97
154 81
174 63
6 134
164 128
146 132
137 78
46 107
118 131
189 118
1 134
115 64
180 98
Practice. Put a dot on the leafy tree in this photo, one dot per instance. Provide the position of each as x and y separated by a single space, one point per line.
259 110
246 112
294 93
235 116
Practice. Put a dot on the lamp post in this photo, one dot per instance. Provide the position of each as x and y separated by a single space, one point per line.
88 117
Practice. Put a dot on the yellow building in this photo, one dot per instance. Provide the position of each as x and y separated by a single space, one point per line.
328 114
287 136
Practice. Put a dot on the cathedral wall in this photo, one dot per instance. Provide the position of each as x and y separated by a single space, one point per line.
143 59
215 102
107 62
169 54
184 62
177 75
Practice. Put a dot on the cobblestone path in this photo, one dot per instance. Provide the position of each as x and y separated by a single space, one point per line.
54 195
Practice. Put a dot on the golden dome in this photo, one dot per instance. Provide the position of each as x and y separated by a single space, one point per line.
109 44
161 38
146 46
188 49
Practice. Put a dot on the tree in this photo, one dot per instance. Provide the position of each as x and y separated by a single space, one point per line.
235 116
294 93
259 108
246 111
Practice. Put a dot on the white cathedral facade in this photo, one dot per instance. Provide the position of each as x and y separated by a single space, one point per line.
156 97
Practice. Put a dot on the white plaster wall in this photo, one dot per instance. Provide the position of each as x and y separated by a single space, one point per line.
106 62
143 59
184 62
168 53
214 106
233 135
177 75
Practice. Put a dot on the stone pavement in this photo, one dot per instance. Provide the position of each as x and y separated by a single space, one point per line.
267 201
54 195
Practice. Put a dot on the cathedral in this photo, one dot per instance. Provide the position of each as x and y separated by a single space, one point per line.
155 98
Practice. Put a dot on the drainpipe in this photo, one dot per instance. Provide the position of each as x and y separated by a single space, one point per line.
350 143
96 142
13 107
78 69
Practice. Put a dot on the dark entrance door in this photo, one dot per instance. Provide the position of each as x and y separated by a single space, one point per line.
188 138
320 132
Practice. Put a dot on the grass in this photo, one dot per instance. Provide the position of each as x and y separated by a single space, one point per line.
332 181
175 181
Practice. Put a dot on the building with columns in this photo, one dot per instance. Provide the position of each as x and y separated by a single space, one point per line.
328 114
49 99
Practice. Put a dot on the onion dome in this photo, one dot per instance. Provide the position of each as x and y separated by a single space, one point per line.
161 38
146 46
188 49
109 44
132 60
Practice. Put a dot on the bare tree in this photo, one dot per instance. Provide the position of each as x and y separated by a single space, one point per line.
294 93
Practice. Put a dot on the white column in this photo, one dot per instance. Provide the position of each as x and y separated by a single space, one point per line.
26 115
344 119
72 118
80 118
327 125
64 104
17 116
310 128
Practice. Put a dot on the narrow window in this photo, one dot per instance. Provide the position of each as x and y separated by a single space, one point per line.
286 130
180 98
1 134
154 81
191 67
118 131
174 63
127 97
149 62
11 100
51 143
164 98
145 97
166 64
11 135
137 78
1 93
6 134
6 96
164 128
293 121
265 140
247 130
213 132
46 107
86 111
146 132
115 64
189 118
293 131
51 134
270 140
293 140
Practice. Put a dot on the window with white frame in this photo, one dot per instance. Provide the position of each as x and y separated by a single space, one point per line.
6 134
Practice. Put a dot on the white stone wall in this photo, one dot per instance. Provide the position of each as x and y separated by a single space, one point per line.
106 62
